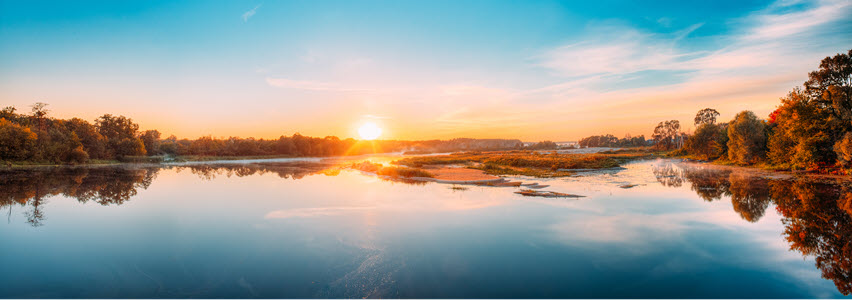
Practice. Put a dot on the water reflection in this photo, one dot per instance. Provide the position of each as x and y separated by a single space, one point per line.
816 213
117 185
105 186
294 170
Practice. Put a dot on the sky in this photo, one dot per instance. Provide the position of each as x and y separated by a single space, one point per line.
533 70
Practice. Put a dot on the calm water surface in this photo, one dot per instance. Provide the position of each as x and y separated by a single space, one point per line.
281 229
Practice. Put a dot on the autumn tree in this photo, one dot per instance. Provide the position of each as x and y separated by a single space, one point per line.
746 138
151 140
16 142
92 141
811 121
843 149
121 135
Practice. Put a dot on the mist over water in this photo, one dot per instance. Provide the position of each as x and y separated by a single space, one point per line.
304 229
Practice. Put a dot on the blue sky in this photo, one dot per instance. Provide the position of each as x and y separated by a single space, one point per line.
422 69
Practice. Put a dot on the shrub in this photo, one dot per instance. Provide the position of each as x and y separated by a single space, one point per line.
78 155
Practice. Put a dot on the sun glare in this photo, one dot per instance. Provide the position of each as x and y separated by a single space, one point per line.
369 131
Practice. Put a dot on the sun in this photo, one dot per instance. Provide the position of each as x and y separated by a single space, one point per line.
369 131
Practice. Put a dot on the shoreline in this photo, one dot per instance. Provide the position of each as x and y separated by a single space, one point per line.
769 174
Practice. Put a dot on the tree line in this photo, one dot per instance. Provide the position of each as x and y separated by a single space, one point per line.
811 128
609 140
37 137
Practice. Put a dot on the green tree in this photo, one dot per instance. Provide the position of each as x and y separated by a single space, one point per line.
746 138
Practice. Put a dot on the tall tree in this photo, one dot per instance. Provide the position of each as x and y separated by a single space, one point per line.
151 140
746 138
39 110
666 134
706 116
121 135
708 142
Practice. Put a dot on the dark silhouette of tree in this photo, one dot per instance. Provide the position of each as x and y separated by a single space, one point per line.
706 116
39 111
609 140
543 145
667 134
151 140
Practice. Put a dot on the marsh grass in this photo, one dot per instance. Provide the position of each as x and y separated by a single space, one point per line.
529 163
392 171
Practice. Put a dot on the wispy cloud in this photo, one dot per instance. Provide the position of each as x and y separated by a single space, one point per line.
613 49
773 51
772 37
311 85
247 15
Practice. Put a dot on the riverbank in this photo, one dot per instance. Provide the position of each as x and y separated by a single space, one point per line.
135 160
770 173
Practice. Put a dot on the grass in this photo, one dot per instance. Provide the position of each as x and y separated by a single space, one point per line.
392 171
529 163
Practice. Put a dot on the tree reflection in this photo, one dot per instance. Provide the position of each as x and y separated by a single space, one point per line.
668 174
709 184
816 224
116 185
749 196
103 185
817 214
284 170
